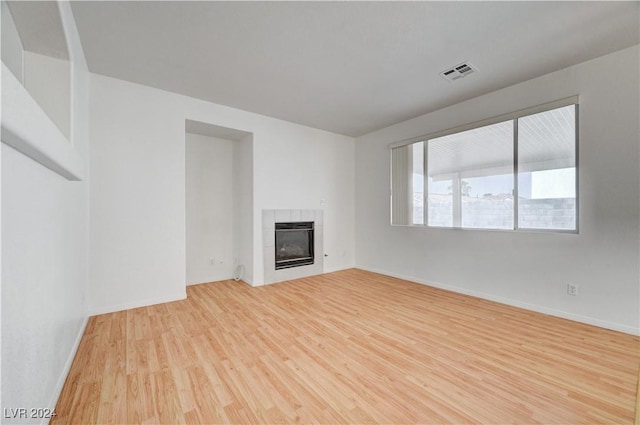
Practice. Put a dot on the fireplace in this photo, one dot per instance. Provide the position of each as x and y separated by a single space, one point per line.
293 244
272 228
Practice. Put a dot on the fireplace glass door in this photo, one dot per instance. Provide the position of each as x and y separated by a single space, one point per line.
294 244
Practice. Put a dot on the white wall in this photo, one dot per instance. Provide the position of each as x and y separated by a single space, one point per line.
138 188
49 82
308 170
44 262
209 209
136 197
525 268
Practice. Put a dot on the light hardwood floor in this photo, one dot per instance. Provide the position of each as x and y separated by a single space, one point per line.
346 347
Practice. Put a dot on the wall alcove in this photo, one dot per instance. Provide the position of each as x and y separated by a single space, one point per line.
218 202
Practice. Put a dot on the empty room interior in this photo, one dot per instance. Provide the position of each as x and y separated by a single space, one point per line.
320 212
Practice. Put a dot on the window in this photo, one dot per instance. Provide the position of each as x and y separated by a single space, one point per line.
512 172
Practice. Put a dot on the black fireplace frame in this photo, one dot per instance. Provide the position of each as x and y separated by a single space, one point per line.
297 226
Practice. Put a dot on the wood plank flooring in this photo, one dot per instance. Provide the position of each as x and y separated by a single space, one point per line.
346 347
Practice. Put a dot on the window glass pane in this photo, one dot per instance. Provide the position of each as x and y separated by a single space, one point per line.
471 178
440 203
547 170
487 202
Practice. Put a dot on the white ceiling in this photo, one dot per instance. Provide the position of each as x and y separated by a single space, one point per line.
345 67
40 27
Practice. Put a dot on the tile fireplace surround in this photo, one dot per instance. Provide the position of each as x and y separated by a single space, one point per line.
269 219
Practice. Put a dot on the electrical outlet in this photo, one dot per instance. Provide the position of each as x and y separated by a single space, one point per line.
572 289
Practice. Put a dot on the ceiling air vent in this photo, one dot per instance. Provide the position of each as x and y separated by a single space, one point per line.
459 71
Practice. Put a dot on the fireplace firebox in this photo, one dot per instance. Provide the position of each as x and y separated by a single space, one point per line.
294 244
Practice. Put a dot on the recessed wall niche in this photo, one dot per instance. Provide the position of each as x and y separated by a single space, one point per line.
218 203
35 50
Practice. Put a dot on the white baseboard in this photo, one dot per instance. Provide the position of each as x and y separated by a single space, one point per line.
135 304
217 278
66 369
514 303
337 269
248 282
204 282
